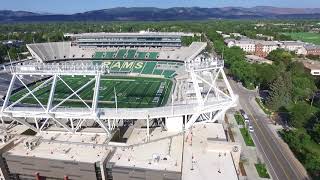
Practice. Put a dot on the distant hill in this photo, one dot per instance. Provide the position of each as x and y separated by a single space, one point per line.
176 13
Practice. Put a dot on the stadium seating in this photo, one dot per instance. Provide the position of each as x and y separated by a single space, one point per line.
157 72
153 55
98 55
121 53
131 54
168 73
52 50
149 67
126 54
141 55
64 50
109 55
143 67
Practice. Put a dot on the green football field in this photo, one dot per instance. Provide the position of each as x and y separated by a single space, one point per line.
131 92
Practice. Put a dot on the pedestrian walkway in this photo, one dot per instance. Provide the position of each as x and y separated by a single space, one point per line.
249 155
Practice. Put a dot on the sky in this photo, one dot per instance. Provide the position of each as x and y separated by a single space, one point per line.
74 6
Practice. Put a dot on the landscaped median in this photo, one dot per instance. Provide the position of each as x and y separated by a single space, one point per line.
262 170
244 130
247 137
239 119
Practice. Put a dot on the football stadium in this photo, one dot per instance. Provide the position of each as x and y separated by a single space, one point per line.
117 106
106 80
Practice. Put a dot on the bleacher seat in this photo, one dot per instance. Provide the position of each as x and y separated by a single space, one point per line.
149 67
121 53
153 55
141 55
131 54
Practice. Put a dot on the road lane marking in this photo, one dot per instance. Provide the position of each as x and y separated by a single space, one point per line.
264 137
267 157
279 148
242 90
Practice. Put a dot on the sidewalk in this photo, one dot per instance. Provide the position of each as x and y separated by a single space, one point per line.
249 155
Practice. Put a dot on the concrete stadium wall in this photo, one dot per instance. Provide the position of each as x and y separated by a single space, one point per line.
124 173
50 168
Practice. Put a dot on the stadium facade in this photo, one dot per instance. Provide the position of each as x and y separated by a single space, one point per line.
118 94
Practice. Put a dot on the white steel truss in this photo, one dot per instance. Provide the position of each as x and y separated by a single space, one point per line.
210 104
207 73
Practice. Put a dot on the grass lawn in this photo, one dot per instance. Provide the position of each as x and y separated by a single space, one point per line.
265 110
247 137
132 92
239 119
306 37
262 170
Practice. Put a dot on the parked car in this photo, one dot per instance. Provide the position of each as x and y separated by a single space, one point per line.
245 116
251 128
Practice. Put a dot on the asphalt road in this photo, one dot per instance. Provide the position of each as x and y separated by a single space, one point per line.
282 164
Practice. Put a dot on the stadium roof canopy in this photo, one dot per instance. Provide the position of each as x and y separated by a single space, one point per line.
135 34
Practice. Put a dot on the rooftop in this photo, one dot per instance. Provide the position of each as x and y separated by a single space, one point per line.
205 156
292 43
61 150
312 47
312 65
162 154
252 41
141 33
88 138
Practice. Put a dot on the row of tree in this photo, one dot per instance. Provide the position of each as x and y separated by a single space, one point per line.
44 32
291 91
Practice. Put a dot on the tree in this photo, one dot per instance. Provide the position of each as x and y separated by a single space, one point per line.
233 54
303 83
297 140
303 88
280 92
266 74
312 164
244 72
13 53
280 55
3 52
316 132
313 127
300 113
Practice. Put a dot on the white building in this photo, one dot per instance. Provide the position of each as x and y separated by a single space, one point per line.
295 46
313 67
247 45
267 46
257 47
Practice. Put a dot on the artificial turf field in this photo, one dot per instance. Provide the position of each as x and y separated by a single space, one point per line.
131 92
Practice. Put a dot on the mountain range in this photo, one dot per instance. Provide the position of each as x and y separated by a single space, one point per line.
157 14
